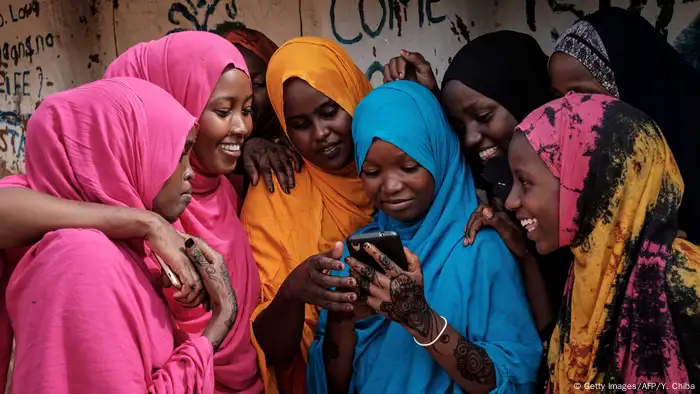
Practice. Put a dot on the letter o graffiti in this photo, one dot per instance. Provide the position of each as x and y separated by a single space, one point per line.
365 27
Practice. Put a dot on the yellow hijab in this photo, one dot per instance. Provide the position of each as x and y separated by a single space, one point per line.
286 229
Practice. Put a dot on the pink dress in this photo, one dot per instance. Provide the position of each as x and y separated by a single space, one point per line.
88 312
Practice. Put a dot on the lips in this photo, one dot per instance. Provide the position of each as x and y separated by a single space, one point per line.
397 205
230 149
488 153
330 150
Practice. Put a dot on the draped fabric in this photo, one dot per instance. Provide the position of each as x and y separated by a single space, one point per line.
631 310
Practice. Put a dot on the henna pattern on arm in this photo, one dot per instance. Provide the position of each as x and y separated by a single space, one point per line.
473 363
408 305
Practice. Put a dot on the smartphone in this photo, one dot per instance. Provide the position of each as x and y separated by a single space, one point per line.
388 242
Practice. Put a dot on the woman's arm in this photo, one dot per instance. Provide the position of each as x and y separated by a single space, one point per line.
339 351
28 215
537 294
307 284
467 364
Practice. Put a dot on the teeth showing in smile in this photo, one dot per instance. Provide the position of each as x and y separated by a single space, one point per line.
486 153
230 147
529 224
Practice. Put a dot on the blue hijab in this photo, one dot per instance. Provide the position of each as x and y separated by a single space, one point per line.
477 288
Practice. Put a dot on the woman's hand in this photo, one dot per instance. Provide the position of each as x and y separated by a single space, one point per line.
166 242
399 294
410 66
510 233
217 281
311 282
261 156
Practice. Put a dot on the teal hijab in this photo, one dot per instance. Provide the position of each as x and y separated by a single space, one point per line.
477 288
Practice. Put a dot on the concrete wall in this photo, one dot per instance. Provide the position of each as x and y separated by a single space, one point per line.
50 45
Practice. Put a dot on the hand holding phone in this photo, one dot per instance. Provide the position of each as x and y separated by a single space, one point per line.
388 242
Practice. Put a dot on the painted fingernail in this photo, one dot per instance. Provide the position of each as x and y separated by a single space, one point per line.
271 190
340 267
189 243
352 282
286 190
365 245
292 185
400 75
352 297
347 260
348 308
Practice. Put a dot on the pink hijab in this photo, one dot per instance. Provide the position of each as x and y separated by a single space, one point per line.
188 66
113 142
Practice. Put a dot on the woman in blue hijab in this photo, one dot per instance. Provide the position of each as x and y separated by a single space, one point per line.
457 318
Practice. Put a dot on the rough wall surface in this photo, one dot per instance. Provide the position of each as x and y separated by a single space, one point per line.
50 45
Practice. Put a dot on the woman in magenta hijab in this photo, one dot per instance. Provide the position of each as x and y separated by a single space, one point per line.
208 76
88 311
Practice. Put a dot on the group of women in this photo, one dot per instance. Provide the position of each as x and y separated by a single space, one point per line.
584 216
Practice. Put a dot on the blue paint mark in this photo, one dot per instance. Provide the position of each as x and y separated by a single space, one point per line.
375 67
337 35
11 118
429 12
191 13
365 27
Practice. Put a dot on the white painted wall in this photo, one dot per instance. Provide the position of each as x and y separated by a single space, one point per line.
81 37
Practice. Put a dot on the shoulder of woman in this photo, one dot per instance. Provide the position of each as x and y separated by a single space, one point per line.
489 252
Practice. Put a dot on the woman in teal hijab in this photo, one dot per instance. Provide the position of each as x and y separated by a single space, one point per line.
458 318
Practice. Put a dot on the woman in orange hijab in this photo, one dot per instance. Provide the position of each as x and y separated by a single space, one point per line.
314 88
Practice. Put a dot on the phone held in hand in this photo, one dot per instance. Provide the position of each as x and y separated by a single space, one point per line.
388 242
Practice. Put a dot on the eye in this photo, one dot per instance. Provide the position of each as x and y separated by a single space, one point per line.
370 172
247 111
298 124
259 85
484 116
223 112
329 111
412 167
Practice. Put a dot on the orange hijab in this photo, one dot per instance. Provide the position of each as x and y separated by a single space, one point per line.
286 229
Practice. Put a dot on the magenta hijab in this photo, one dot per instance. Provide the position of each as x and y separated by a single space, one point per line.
188 66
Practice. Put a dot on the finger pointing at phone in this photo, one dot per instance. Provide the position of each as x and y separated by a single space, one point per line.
398 294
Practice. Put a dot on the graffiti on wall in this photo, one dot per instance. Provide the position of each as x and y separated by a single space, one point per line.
663 19
198 12
393 16
19 12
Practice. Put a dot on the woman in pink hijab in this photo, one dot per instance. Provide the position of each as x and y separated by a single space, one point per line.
88 311
208 76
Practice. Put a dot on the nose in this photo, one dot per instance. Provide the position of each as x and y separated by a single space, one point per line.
391 185
321 132
474 137
513 199
239 126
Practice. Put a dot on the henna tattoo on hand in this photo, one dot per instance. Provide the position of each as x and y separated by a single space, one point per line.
331 349
385 262
231 296
408 305
473 363
216 345
370 274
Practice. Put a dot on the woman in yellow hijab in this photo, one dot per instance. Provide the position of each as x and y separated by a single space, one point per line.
314 88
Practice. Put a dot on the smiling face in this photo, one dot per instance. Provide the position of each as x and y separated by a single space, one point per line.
317 126
535 195
225 123
569 75
484 126
176 193
396 184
